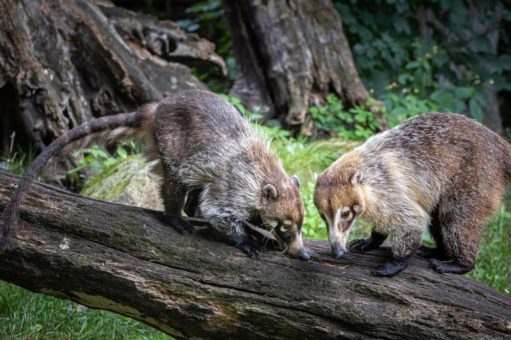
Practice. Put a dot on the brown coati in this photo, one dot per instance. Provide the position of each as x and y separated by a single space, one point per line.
208 151
442 171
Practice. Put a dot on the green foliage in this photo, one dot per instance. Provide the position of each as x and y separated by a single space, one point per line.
357 123
441 55
18 161
96 159
27 315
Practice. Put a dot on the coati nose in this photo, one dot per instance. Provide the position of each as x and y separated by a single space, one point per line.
303 255
337 251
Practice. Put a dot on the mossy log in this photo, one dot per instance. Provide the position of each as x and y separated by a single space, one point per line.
124 259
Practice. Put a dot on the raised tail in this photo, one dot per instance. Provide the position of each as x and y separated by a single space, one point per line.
11 216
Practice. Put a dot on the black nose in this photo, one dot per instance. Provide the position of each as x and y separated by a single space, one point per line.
303 255
337 251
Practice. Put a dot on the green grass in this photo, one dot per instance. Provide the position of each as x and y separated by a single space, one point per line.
29 315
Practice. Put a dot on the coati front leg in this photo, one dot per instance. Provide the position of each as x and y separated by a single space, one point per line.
405 242
374 241
461 239
174 194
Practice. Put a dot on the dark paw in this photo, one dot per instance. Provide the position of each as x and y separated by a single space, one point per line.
437 265
390 268
453 268
180 225
252 250
361 245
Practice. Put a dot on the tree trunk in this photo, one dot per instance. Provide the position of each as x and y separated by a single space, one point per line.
58 73
123 259
289 55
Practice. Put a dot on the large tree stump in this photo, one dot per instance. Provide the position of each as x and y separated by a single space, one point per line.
290 55
63 62
123 259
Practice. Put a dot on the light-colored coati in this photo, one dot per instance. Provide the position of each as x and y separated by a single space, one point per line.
442 171
208 151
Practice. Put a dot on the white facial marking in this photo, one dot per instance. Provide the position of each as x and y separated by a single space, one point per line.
296 245
335 234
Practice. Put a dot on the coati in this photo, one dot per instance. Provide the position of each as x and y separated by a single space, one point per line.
437 170
208 151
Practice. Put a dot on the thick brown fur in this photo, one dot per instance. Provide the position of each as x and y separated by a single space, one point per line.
208 152
442 171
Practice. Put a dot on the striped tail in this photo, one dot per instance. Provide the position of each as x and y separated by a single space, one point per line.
11 216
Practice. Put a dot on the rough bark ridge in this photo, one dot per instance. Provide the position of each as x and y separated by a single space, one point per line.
289 55
123 259
64 72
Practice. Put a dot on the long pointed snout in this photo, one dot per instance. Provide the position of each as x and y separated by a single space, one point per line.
303 255
337 250
297 250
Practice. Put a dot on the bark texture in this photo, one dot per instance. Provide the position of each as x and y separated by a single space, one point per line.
123 259
63 62
289 55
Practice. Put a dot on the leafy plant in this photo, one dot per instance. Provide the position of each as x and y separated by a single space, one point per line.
96 159
430 50
357 123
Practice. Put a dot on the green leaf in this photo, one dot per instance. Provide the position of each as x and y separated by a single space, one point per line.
122 152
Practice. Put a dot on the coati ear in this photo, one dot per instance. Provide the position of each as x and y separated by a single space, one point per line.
357 178
269 191
295 180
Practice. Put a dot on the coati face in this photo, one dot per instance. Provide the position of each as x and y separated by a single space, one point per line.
339 203
282 212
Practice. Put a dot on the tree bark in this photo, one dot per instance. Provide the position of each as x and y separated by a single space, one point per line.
289 55
59 73
123 259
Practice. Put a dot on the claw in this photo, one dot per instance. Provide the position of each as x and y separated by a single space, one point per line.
391 268
180 225
360 245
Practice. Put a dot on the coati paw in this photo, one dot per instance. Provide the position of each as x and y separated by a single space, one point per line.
437 265
361 245
390 268
374 241
252 250
443 268
180 225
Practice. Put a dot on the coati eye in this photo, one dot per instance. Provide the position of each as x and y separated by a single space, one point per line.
345 213
286 226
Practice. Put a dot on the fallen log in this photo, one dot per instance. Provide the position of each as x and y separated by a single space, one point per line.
125 260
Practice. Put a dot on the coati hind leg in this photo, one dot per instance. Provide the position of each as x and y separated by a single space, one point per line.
435 229
461 238
174 194
461 218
